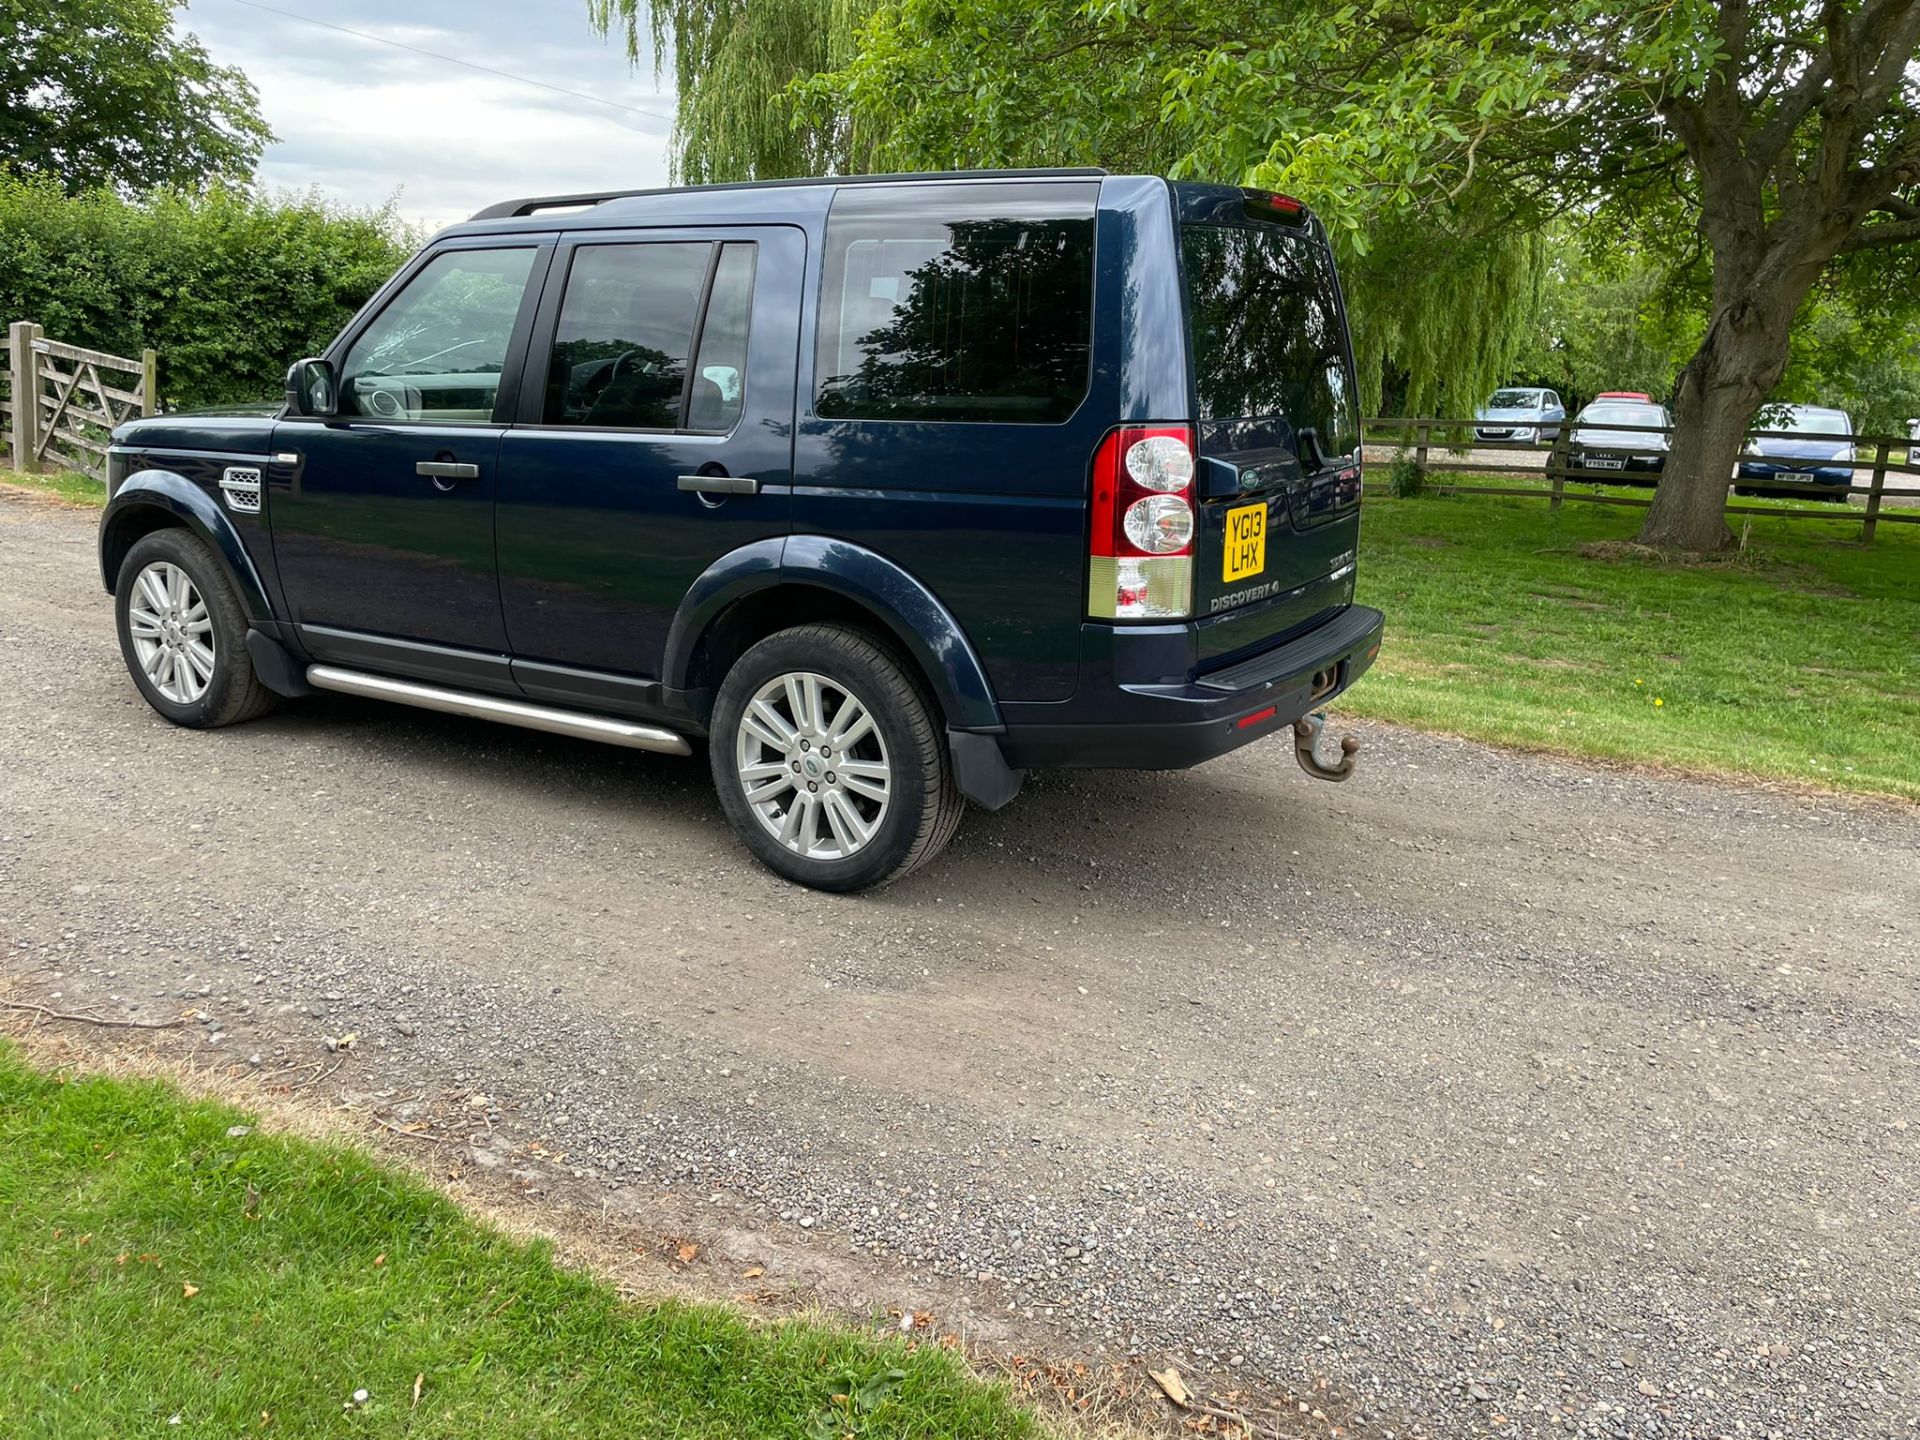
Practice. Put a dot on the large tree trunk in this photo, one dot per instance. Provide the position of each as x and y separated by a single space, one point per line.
1740 360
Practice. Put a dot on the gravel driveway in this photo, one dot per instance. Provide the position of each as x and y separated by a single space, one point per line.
1490 1094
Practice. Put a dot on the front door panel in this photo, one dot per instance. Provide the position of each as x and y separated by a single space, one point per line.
657 355
383 516
365 542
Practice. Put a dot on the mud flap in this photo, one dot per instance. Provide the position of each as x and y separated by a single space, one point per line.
278 670
981 771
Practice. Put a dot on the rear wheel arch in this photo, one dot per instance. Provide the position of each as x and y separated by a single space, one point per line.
832 582
765 612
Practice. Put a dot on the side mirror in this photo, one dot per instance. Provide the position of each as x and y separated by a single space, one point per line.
312 389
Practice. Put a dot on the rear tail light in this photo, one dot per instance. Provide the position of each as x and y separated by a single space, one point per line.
1141 545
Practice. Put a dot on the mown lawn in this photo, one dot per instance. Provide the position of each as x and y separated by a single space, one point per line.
1797 659
162 1273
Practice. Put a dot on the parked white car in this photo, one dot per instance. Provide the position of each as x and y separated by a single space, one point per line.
1527 415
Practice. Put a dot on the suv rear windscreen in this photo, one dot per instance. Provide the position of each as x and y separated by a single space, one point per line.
1268 340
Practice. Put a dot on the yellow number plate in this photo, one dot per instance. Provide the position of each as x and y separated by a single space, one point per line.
1246 549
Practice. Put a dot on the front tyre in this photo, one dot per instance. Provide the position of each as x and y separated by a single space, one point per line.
183 634
830 760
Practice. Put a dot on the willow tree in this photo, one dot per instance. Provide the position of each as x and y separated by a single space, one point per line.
733 63
1774 142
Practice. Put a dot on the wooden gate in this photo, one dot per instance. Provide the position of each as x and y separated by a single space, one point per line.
62 400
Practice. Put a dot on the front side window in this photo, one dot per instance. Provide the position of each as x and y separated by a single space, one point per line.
972 302
436 352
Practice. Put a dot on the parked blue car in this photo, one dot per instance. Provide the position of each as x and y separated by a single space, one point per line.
1531 416
887 489
1818 451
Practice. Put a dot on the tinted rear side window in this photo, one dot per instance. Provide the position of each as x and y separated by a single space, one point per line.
1268 337
719 380
957 302
626 324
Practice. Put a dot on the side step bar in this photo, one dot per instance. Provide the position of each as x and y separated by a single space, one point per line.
508 712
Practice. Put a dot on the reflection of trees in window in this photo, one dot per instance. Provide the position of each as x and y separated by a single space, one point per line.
1266 331
995 327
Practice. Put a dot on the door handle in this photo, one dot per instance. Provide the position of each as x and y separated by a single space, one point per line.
720 484
447 470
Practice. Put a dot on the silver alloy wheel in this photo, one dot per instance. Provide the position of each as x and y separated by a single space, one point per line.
813 766
172 632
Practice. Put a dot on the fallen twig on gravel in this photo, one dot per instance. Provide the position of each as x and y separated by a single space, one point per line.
317 1080
409 1134
92 1019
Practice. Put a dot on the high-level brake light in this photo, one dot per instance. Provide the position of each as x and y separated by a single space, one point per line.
1266 205
1141 547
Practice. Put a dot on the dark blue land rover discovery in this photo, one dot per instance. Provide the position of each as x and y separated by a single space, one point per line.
890 488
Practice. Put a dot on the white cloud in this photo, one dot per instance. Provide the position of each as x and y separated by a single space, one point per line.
360 121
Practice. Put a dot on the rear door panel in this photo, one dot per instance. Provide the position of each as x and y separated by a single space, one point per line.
598 544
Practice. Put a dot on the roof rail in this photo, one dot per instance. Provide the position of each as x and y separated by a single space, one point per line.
535 203
532 205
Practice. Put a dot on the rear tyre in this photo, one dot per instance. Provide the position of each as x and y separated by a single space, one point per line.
830 760
184 635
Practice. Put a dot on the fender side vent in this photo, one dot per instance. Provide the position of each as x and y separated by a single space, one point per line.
241 485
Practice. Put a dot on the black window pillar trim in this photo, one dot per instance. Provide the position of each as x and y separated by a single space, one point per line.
506 400
699 334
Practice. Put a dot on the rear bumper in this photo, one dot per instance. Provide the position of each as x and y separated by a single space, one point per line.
1114 723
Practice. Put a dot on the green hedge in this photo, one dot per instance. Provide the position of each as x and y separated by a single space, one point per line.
228 286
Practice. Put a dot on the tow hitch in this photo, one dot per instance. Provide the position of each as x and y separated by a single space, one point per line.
1307 731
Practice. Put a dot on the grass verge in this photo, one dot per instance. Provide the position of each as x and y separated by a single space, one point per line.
158 1261
68 485
1796 659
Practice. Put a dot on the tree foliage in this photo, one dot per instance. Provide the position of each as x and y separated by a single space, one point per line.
732 64
1615 315
227 287
1438 300
103 92
1756 148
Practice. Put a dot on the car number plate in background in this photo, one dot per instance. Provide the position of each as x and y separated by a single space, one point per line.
1246 548
1607 462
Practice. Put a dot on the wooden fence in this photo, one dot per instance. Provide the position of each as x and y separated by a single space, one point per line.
60 404
1423 438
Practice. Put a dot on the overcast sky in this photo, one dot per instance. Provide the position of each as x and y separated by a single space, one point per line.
362 121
